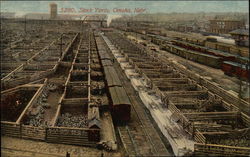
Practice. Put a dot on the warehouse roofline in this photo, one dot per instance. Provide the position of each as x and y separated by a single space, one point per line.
240 32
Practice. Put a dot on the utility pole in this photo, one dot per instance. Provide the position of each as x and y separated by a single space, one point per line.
61 46
61 25
136 30
240 93
240 83
25 24
82 22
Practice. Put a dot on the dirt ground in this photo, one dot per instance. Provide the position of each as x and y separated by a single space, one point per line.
53 99
14 147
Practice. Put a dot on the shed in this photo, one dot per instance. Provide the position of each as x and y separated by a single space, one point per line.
94 124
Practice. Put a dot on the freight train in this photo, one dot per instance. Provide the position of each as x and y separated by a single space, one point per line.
231 64
214 42
120 103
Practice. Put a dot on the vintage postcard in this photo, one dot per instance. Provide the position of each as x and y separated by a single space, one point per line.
125 78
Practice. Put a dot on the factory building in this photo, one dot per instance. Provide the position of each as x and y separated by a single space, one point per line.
225 26
53 11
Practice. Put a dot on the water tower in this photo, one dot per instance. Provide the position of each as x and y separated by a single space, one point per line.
53 10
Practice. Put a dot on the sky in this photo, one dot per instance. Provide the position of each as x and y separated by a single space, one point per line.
147 6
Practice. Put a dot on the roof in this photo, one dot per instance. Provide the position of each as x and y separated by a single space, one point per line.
235 64
240 32
119 96
37 16
96 17
95 123
210 49
218 52
112 77
104 55
244 58
202 54
52 3
106 63
163 38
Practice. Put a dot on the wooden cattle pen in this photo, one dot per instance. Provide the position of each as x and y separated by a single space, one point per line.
64 108
40 65
215 122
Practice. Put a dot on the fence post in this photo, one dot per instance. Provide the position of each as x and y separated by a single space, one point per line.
46 131
20 130
193 131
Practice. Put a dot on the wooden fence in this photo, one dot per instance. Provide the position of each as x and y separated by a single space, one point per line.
198 137
240 103
246 119
64 135
31 132
10 129
75 136
220 150
185 123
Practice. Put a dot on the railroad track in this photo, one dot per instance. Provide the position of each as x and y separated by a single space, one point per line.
128 141
139 137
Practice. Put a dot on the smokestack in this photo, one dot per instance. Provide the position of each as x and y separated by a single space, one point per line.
111 17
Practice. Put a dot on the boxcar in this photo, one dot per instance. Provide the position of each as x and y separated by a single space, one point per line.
121 106
209 60
223 55
104 55
111 77
227 68
236 69
205 59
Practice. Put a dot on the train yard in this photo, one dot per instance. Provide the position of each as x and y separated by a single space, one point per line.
230 74
76 86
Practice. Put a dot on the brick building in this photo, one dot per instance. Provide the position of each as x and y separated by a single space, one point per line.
241 37
225 26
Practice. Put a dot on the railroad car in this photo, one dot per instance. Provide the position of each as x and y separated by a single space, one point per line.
204 55
243 60
166 46
227 68
223 55
236 69
111 77
121 105
205 59
106 62
104 55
